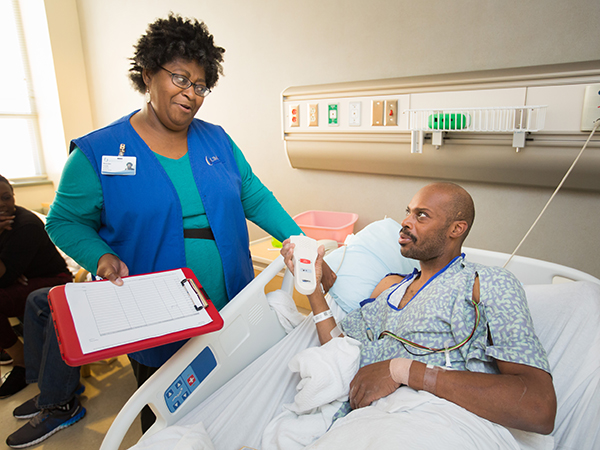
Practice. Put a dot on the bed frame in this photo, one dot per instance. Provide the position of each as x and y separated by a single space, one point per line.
207 362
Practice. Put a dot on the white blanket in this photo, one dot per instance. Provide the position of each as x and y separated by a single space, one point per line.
326 373
414 420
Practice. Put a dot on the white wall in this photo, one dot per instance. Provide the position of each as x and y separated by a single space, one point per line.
273 44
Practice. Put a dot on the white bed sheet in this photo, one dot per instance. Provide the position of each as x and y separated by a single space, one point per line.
567 321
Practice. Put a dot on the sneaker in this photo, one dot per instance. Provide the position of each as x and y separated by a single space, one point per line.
14 382
5 359
45 424
30 408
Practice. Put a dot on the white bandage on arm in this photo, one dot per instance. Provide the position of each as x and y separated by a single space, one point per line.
323 316
400 370
336 332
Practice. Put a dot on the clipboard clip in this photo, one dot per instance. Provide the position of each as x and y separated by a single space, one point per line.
197 294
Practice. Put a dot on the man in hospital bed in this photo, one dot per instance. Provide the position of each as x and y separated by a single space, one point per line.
457 330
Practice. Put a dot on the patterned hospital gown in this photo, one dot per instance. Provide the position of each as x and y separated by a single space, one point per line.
442 315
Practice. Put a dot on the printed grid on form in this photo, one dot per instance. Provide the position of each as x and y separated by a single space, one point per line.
139 304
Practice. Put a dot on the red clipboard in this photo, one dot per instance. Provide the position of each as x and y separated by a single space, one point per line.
70 347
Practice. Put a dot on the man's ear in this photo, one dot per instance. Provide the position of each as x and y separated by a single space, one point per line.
458 229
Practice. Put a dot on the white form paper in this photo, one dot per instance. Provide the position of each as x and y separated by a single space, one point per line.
146 306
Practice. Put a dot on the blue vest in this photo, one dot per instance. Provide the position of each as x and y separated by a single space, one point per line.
142 220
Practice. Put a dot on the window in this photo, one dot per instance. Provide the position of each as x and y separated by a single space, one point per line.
20 148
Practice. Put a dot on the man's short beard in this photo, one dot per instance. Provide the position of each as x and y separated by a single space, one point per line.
429 250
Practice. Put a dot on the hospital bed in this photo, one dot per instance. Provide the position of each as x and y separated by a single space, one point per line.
566 316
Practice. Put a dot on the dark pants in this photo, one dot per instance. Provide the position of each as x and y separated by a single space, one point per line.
142 373
12 303
43 363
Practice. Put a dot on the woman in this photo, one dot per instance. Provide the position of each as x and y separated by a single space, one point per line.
28 261
183 201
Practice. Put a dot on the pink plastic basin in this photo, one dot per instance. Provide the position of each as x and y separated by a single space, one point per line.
327 224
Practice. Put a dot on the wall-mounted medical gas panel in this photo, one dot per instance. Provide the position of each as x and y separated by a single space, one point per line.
517 126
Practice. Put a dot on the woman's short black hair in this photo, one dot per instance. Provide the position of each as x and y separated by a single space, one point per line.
4 180
176 38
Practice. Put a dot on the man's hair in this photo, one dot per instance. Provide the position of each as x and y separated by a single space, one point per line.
4 180
176 38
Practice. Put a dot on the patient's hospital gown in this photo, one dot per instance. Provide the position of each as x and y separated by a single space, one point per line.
442 315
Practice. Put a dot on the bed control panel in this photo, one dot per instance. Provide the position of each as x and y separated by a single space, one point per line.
190 379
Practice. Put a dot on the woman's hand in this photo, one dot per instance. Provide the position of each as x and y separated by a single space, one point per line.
111 268
287 251
6 222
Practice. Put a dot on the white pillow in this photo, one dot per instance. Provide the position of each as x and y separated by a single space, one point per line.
368 256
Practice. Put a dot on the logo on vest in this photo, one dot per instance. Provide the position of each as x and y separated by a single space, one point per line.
211 160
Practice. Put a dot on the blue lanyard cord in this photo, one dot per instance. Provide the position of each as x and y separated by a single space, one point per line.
405 280
415 272
430 350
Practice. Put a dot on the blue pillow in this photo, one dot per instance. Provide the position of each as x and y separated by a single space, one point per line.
369 256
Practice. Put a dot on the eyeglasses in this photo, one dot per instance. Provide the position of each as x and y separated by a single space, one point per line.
184 82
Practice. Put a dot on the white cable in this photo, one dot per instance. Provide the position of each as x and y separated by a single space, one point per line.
342 260
555 192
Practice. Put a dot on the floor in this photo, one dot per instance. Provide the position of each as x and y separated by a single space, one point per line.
106 391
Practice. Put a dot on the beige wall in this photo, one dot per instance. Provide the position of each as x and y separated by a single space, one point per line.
35 196
273 44
71 79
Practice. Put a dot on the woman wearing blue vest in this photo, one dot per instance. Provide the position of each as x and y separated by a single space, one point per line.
157 190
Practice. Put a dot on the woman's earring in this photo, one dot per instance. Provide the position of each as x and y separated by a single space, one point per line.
147 96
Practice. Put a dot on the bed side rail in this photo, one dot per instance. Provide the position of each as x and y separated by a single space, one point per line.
528 270
207 362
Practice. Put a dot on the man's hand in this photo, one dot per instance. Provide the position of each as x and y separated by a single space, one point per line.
317 301
323 273
22 279
371 383
111 268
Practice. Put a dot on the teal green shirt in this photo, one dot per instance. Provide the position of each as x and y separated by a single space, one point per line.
77 211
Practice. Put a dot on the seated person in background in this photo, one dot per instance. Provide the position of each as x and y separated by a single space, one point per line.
458 330
61 407
28 261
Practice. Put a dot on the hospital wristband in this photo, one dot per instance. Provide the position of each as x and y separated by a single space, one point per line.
323 316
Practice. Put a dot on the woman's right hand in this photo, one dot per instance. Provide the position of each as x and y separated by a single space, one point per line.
287 251
111 268
6 222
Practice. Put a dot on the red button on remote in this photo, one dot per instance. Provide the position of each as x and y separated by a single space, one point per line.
305 261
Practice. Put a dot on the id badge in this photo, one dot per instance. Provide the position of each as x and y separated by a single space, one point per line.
118 165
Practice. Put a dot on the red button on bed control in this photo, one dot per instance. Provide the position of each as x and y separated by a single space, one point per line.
191 380
305 261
